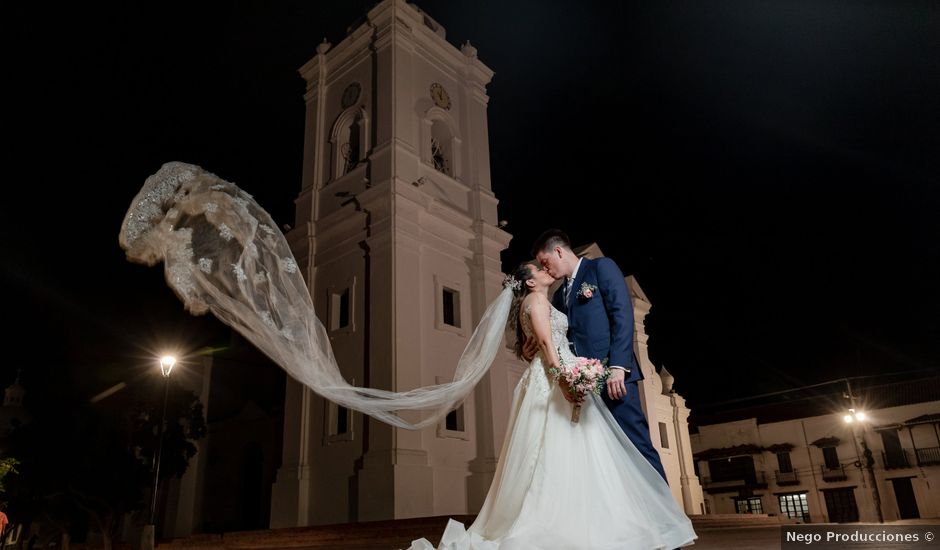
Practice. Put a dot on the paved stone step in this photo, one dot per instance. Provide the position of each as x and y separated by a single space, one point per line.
392 534
723 521
375 534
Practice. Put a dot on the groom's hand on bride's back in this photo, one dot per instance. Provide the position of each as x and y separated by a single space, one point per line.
530 348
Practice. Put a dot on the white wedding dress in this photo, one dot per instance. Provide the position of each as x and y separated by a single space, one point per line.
563 485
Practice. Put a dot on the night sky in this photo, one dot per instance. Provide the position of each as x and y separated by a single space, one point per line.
767 170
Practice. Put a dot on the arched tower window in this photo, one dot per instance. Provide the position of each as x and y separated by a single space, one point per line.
441 143
350 149
349 140
441 148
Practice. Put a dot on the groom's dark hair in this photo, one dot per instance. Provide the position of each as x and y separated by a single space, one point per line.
549 240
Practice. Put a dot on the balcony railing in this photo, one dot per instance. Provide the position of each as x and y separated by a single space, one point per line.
928 456
895 459
733 483
787 478
833 474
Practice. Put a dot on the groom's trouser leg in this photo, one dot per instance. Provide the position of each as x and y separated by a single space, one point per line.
629 414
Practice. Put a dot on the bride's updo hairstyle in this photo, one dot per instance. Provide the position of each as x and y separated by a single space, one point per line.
514 332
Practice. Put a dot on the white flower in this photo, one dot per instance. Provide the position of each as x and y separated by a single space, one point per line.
290 265
225 232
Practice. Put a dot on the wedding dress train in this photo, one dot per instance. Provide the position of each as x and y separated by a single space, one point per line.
563 485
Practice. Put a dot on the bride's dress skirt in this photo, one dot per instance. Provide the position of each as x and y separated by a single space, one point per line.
561 485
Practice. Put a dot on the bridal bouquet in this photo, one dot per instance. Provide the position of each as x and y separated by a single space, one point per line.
583 376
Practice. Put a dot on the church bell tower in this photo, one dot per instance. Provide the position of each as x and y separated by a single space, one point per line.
398 233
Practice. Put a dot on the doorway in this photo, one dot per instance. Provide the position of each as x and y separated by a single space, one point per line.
904 493
840 503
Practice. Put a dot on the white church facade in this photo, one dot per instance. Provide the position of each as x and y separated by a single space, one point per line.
397 232
397 229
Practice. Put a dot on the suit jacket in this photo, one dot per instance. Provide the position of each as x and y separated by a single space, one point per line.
601 327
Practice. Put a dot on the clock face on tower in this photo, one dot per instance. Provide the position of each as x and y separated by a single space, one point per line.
351 95
440 96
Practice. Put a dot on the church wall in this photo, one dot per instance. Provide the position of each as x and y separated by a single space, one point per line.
332 454
327 476
429 230
228 502
668 452
449 450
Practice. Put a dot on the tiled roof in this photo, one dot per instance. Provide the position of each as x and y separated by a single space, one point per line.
924 419
724 452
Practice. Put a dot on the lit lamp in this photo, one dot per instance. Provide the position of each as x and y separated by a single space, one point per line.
166 367
854 415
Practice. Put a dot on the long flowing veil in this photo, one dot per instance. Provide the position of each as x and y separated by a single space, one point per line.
223 254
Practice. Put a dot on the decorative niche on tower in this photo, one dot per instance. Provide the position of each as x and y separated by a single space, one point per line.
349 141
440 138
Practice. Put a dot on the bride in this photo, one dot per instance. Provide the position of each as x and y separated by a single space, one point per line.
561 484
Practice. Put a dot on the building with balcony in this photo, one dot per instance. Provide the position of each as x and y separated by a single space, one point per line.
802 459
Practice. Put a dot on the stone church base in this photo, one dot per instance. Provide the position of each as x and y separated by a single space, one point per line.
374 535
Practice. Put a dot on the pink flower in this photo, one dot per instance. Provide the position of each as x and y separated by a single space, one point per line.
586 291
584 375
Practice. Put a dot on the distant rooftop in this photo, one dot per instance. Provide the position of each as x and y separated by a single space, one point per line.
824 400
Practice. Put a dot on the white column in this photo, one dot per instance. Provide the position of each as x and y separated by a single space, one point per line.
691 490
290 493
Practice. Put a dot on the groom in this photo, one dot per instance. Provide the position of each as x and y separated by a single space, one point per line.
600 324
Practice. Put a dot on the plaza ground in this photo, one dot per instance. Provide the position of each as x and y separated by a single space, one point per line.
716 532
767 538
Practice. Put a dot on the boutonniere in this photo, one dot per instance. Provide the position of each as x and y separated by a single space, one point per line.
586 291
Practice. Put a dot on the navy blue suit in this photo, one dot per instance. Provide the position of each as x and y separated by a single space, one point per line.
601 327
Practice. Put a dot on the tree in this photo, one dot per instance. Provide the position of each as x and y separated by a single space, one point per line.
186 423
7 466
90 464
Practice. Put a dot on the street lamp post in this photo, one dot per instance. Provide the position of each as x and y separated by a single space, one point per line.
854 418
166 366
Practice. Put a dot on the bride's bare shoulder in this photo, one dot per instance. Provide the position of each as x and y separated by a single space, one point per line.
536 301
